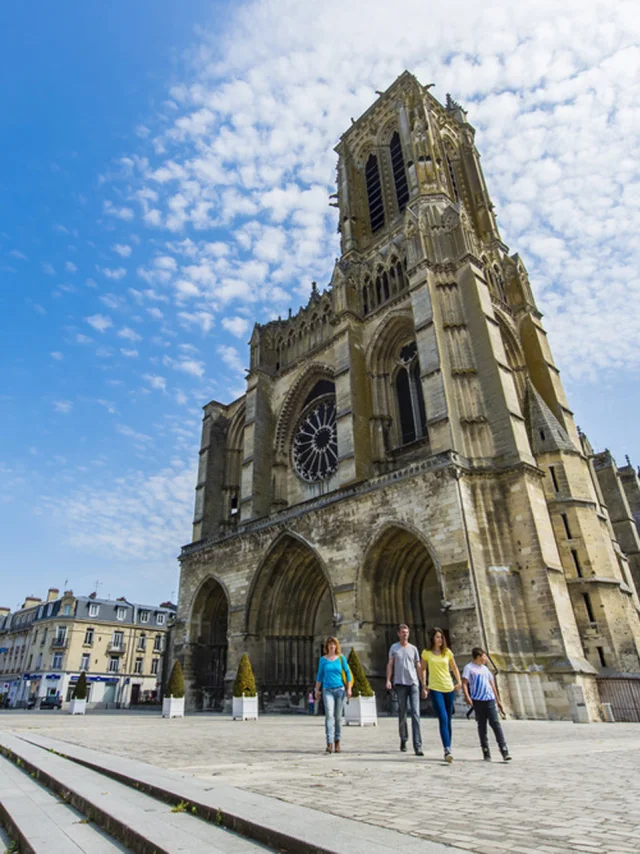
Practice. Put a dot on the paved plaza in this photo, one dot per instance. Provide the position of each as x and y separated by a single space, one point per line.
569 787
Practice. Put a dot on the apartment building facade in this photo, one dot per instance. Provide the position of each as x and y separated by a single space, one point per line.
119 644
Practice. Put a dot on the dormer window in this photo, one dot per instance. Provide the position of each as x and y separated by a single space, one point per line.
374 193
399 172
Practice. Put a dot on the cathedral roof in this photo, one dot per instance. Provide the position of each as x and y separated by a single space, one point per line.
545 431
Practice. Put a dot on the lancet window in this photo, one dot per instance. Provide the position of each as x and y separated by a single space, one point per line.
410 400
399 172
386 284
374 193
454 182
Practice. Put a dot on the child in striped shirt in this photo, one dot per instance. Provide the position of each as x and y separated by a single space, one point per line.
481 692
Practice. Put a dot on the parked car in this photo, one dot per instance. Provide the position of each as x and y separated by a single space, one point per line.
51 702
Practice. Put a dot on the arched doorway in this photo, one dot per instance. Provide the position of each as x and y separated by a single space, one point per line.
209 622
399 585
290 612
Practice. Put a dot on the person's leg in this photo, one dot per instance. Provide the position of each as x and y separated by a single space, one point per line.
438 703
496 726
340 696
449 701
402 695
329 711
481 710
414 700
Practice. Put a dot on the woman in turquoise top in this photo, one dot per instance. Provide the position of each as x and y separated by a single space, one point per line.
334 679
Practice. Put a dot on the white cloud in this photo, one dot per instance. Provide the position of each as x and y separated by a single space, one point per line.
122 250
232 358
125 430
116 273
129 334
124 212
62 406
100 322
238 326
57 356
156 382
129 354
48 268
155 313
15 253
70 267
83 339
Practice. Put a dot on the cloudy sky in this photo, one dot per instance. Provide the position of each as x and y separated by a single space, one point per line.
165 178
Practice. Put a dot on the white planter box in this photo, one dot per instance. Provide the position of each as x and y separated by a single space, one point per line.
361 711
245 708
173 707
77 707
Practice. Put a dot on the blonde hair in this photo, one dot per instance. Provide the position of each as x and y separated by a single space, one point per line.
332 640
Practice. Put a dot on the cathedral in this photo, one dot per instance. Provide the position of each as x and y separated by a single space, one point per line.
405 452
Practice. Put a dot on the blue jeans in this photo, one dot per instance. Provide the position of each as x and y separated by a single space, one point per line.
443 707
409 695
333 699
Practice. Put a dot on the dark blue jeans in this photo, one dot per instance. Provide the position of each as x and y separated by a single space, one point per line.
443 707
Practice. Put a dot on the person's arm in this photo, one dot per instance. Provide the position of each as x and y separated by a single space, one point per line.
465 690
424 671
494 685
348 674
456 672
389 673
319 675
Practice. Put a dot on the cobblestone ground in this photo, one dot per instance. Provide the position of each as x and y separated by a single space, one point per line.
569 787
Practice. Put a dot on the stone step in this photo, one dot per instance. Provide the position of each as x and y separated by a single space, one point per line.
142 823
283 826
39 821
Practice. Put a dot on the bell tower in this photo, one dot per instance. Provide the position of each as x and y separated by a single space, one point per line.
405 451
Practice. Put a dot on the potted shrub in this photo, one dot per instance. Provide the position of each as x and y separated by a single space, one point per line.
245 696
361 709
78 704
173 700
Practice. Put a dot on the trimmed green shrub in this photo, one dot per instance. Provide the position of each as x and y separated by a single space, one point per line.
361 687
245 684
80 689
175 685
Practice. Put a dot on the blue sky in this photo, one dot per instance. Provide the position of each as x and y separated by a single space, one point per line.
164 178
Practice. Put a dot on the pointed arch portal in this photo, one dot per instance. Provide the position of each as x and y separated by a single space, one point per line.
399 585
209 625
289 614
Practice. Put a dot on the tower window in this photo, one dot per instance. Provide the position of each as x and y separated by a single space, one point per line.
587 604
603 660
413 417
554 478
565 520
374 193
576 562
454 183
399 172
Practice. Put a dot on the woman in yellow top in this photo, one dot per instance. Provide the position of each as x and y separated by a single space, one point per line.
440 663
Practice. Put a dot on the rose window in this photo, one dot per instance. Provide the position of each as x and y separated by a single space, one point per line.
315 441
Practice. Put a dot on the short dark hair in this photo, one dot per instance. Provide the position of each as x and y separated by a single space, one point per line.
477 651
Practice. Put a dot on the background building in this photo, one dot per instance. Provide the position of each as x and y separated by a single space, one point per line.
121 646
405 452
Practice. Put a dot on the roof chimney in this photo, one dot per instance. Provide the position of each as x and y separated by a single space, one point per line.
4 612
52 594
31 601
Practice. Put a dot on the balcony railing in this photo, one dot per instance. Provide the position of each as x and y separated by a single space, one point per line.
117 648
59 643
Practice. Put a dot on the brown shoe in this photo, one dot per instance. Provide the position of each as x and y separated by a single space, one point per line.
337 747
329 748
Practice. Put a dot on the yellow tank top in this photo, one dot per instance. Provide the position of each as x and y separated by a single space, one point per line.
439 673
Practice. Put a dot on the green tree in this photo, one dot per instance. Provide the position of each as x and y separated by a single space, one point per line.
361 687
175 685
80 689
245 684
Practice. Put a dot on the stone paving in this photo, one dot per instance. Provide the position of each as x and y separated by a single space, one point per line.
569 787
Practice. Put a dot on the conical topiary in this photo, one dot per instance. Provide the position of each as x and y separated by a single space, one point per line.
245 684
80 689
175 685
361 687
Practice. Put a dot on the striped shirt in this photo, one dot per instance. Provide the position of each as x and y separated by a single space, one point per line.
480 681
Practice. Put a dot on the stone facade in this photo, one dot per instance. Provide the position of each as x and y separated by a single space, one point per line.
405 452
